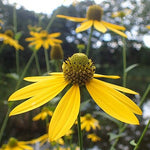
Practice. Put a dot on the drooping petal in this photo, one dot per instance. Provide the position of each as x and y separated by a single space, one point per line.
37 78
40 99
99 26
23 146
117 27
65 114
120 88
56 34
37 117
37 88
75 19
84 26
119 96
110 104
117 31
56 73
106 76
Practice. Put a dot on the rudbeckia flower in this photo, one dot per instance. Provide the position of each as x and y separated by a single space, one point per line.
94 18
14 144
43 114
7 38
43 39
78 71
88 123
121 14
93 137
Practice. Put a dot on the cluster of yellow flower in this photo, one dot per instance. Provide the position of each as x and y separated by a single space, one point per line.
77 71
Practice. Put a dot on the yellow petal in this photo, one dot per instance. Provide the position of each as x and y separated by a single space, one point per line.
37 117
56 34
65 114
117 31
110 104
120 88
75 19
117 27
119 96
37 88
105 76
56 73
37 78
40 99
99 26
84 26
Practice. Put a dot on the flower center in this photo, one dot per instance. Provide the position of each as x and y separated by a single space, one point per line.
9 33
94 12
88 116
78 69
12 142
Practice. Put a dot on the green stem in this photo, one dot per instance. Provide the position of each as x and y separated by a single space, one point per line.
47 60
17 61
37 64
141 137
80 133
124 62
11 104
144 95
89 42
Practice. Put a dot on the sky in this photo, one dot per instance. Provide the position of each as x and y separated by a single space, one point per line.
40 6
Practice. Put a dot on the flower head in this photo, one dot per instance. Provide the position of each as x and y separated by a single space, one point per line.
56 52
78 71
94 18
93 137
43 114
7 38
14 144
43 39
121 14
88 122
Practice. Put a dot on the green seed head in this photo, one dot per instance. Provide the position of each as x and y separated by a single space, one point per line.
9 33
78 69
94 12
12 142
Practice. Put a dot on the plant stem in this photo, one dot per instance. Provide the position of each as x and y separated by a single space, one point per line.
89 42
80 133
11 104
124 62
144 95
141 137
17 61
37 64
47 60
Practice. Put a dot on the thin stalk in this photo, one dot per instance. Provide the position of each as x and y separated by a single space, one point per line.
37 64
17 61
89 42
144 95
141 137
11 104
80 133
124 62
47 60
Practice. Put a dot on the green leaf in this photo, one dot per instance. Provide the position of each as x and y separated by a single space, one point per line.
12 75
18 35
113 136
133 143
131 67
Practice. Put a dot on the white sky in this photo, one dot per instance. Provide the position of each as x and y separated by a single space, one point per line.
44 6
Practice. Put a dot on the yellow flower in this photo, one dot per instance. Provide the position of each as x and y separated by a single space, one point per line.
121 14
94 18
43 39
93 137
78 71
88 122
148 26
14 144
44 113
44 138
7 38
